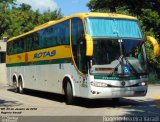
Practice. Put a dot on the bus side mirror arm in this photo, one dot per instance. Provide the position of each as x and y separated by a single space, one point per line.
155 45
89 45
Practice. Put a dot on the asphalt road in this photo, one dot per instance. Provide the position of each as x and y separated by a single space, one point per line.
35 103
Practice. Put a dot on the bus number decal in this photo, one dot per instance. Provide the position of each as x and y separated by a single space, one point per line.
45 54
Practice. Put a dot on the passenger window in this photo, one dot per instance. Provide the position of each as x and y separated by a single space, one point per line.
36 40
10 48
15 47
28 43
55 35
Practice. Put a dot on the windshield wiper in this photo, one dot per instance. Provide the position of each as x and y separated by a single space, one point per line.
121 62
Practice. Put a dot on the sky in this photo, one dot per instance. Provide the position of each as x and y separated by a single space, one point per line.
67 7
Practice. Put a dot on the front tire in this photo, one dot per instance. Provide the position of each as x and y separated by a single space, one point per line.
69 94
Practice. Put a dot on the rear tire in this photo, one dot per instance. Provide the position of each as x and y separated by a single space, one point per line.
69 94
21 90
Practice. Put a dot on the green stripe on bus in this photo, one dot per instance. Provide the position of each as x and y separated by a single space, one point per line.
114 78
43 62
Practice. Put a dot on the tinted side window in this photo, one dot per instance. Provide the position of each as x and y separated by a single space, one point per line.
10 48
58 34
77 30
18 46
35 38
55 35
32 41
79 44
63 34
28 42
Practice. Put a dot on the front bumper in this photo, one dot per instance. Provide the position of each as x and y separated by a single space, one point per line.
107 92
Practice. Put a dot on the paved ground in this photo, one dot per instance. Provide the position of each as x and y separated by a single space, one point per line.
35 103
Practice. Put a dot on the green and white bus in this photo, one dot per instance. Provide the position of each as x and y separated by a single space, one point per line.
88 55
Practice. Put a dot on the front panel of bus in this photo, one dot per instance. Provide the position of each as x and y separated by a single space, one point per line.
118 66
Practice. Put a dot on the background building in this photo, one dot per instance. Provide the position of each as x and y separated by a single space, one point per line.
3 73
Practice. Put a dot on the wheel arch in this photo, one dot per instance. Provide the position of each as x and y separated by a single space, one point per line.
64 83
15 79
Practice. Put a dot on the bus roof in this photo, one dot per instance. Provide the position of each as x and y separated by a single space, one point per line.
108 15
80 15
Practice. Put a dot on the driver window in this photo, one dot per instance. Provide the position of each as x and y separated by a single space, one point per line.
79 44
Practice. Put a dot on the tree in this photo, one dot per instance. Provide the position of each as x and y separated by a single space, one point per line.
4 15
15 20
134 6
51 15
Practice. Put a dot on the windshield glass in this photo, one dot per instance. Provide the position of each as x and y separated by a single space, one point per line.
105 51
112 27
118 56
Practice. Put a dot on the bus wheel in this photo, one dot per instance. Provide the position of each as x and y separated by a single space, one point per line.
69 94
116 99
21 90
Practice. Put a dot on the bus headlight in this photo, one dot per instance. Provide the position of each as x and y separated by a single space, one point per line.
142 83
99 84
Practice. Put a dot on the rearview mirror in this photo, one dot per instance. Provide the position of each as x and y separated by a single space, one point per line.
155 45
89 45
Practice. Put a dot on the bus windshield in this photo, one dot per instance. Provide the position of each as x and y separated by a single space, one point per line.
118 46
118 56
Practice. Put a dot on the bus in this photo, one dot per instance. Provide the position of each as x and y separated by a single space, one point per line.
87 55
